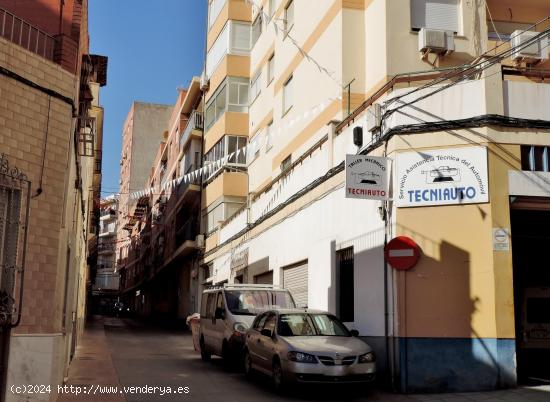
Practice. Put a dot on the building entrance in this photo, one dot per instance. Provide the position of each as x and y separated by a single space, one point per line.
531 244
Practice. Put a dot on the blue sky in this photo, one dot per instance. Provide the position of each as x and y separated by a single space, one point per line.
153 47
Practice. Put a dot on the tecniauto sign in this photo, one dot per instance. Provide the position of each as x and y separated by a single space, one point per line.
366 177
442 177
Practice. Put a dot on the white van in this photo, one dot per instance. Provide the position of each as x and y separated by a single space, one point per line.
228 311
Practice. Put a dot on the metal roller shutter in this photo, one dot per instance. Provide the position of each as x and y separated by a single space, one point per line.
295 280
435 14
264 279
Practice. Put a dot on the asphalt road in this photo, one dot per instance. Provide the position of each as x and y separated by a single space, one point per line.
151 356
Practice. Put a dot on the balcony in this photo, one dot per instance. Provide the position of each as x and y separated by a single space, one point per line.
188 191
226 184
194 128
27 36
105 249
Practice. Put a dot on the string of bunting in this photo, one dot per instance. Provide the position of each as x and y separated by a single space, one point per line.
206 170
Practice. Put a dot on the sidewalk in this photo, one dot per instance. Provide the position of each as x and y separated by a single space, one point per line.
92 367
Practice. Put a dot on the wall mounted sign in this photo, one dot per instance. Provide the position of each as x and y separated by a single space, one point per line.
367 177
441 177
501 239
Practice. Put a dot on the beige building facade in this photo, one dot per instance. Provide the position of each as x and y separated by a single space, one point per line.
51 122
459 319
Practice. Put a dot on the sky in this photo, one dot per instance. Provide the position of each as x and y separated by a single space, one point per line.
153 47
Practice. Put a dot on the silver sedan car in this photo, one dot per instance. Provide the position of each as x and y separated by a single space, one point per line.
302 345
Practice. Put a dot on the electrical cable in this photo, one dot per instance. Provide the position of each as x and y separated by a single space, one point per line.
459 69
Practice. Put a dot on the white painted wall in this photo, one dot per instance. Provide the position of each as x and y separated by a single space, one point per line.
526 100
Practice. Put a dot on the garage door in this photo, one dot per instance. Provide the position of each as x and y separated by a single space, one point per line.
264 279
295 280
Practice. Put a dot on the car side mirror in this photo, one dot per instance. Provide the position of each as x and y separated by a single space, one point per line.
354 332
266 332
219 314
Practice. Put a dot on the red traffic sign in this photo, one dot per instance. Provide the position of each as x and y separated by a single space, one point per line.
402 253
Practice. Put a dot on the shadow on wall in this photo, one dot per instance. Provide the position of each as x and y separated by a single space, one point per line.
438 350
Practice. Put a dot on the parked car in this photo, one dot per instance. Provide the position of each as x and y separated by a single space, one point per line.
302 345
228 311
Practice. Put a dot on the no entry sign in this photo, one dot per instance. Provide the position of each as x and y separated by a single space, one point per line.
402 253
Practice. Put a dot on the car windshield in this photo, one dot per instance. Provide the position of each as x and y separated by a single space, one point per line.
311 325
251 302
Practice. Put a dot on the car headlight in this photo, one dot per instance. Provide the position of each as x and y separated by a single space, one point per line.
301 357
240 327
367 358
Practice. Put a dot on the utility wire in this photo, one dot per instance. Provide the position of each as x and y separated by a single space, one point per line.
460 69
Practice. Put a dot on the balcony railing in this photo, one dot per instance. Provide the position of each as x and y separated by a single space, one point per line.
25 35
195 122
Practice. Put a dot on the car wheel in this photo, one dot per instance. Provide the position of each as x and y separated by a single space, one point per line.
247 363
205 356
278 376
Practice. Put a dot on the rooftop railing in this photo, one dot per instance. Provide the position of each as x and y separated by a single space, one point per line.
26 35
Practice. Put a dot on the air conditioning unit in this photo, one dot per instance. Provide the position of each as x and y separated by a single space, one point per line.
374 117
536 51
200 241
436 41
205 82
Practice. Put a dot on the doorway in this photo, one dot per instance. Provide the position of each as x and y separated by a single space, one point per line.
531 240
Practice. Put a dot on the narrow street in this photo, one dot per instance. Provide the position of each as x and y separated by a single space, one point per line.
144 355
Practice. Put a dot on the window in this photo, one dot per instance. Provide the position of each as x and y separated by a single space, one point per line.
288 98
254 150
345 288
238 94
225 146
269 136
272 8
435 14
234 144
270 69
535 158
289 17
220 303
259 322
270 323
234 39
285 164
218 213
214 9
239 38
232 96
255 86
256 28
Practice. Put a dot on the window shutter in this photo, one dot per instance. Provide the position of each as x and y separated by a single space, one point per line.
435 14
240 36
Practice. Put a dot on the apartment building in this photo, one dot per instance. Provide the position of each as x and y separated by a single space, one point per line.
50 135
142 131
161 276
469 315
105 289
